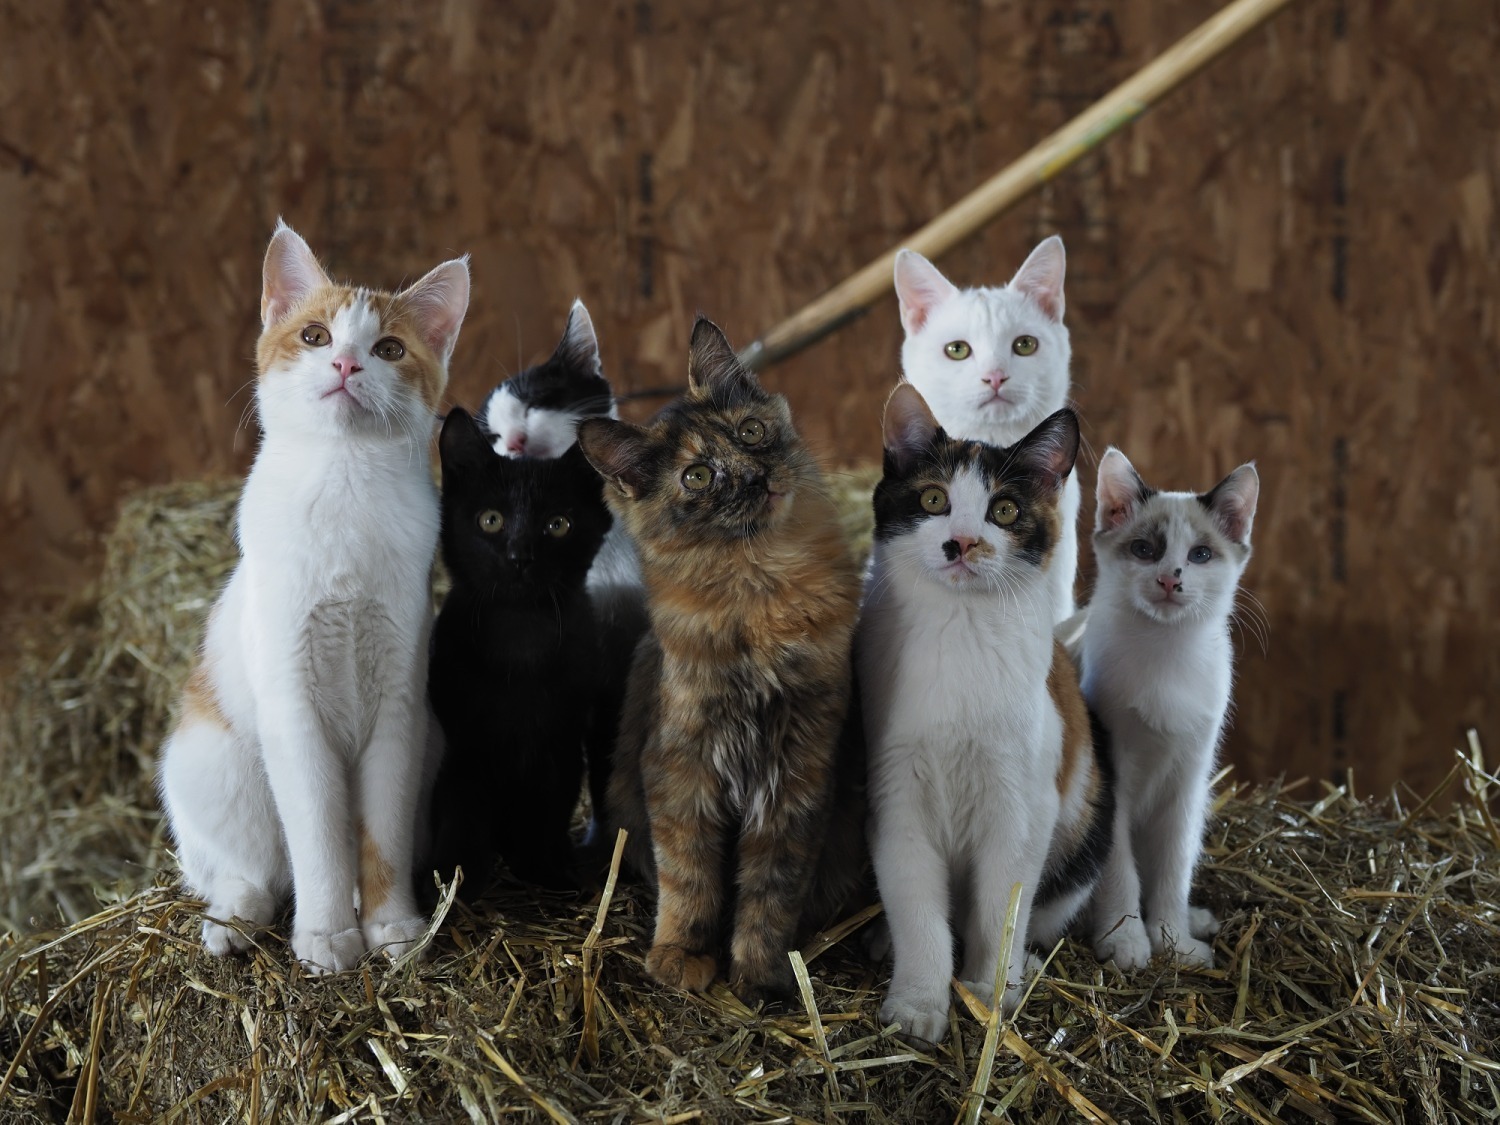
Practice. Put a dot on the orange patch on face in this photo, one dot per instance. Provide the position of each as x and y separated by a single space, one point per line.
201 701
1078 738
376 875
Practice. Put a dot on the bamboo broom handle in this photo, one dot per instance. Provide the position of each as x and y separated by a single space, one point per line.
1120 106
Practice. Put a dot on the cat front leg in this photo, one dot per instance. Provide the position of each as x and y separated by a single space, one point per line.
913 880
1169 848
1115 912
682 799
1014 852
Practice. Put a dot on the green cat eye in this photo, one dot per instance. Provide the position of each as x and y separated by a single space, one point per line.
390 349
1024 345
958 349
933 499
697 477
558 526
316 336
491 521
1004 511
752 430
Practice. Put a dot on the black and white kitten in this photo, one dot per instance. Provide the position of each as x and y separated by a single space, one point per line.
536 414
515 666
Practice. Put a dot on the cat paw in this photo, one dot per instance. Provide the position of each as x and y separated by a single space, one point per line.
393 938
1192 952
1202 923
328 953
769 988
1127 945
677 968
923 1024
222 940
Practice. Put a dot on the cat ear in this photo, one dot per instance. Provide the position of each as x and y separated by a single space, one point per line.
290 273
1120 491
438 302
1232 502
920 288
619 452
579 347
909 425
1051 448
1041 276
713 367
462 444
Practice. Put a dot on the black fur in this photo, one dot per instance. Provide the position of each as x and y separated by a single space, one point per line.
515 666
570 379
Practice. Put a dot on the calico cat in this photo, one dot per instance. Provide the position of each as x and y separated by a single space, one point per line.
514 674
992 363
725 764
296 761
985 766
536 414
1157 666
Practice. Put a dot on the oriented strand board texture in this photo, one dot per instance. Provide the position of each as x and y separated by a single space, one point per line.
1294 258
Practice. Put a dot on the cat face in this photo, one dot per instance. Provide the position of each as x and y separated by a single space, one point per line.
991 362
967 515
334 359
517 529
536 412
1172 556
721 463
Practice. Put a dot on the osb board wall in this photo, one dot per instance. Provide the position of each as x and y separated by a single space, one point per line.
1291 259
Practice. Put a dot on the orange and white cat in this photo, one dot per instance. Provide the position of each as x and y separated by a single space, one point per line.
296 762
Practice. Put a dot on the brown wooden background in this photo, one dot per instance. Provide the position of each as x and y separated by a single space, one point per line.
1294 258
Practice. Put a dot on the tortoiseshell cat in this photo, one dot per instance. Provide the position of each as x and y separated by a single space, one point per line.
724 770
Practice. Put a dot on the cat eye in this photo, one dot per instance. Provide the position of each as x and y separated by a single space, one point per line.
1005 511
1200 555
390 349
316 336
752 430
1024 345
1143 549
491 521
933 499
959 349
697 477
558 526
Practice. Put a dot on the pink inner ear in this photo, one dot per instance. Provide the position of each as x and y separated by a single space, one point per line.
920 288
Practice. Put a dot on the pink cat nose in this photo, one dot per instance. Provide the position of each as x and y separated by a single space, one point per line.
1169 582
996 378
346 366
516 444
964 543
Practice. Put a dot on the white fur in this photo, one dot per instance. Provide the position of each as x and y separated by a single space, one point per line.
965 746
316 651
1158 670
935 313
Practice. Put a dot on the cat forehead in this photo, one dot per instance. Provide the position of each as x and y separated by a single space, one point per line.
1174 515
983 310
701 429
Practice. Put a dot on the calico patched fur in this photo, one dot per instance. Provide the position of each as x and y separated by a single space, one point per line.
725 769
515 673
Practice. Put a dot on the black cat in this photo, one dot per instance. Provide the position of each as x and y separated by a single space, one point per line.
515 667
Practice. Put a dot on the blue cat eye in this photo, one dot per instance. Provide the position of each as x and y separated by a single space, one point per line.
1200 555
1143 549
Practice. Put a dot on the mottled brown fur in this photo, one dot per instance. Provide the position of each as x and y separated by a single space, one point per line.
724 773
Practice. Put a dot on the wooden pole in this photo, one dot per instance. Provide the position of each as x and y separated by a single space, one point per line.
1120 106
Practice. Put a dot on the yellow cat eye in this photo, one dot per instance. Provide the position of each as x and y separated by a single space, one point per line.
1004 511
1024 345
752 430
390 349
558 526
958 349
316 336
933 499
491 521
697 477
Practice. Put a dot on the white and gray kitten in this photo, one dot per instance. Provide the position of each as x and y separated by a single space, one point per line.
992 362
1157 668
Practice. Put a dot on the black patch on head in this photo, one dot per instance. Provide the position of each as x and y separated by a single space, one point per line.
567 380
1084 865
521 561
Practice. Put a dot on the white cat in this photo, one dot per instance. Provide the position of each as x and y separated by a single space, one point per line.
1157 668
982 759
992 363
295 763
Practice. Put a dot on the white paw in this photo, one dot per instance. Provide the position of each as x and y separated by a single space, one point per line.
926 1024
1182 948
222 940
1127 945
328 953
393 938
877 940
1202 923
